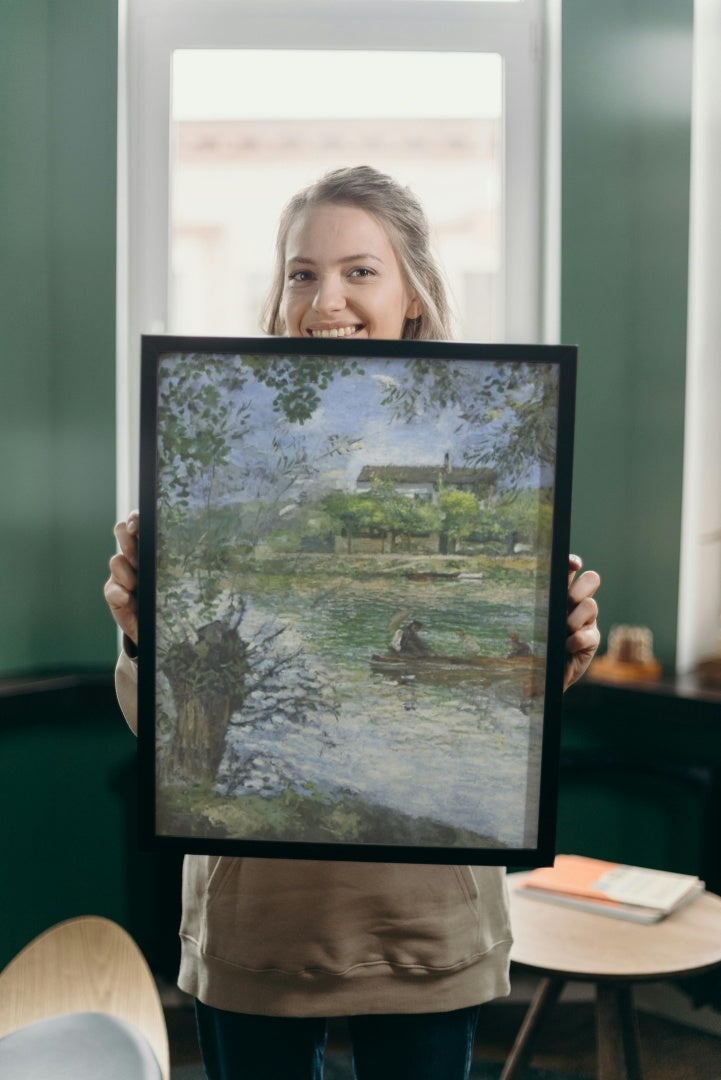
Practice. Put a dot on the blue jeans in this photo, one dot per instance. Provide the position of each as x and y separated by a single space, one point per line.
416 1046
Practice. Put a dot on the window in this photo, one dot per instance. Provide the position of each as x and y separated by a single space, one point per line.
236 157
227 107
699 624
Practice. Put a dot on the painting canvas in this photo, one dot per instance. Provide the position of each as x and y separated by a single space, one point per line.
353 573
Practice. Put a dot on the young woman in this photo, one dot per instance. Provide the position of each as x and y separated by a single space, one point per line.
272 948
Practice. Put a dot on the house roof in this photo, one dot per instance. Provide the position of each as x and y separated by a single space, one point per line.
425 474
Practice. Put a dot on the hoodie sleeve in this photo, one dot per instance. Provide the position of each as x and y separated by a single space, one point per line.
126 688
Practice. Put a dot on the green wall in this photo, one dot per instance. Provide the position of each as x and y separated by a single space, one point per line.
58 71
625 199
68 800
67 761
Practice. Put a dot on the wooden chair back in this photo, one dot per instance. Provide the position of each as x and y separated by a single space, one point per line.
87 964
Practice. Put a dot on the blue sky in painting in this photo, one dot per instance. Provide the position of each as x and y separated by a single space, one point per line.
351 407
350 411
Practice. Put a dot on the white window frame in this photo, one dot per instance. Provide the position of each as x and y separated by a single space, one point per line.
526 34
699 597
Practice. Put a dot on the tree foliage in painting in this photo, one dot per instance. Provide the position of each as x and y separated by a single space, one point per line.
382 512
512 410
459 512
204 414
201 417
298 381
357 515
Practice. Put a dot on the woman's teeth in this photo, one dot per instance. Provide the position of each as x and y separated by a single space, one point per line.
337 331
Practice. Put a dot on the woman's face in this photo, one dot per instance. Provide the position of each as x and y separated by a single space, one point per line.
342 277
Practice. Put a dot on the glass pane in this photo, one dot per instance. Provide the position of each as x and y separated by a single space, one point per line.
250 128
455 1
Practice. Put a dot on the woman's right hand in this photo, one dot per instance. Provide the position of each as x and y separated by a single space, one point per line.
121 587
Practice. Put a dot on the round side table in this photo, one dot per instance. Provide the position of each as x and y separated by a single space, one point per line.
563 944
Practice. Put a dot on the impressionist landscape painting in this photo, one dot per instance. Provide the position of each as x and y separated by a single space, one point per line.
352 561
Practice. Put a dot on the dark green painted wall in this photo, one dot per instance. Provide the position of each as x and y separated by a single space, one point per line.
626 130
66 761
58 73
641 778
625 204
68 803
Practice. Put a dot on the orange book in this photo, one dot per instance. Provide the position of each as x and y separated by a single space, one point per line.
631 892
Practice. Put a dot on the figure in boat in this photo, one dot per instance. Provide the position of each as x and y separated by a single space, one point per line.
407 642
518 647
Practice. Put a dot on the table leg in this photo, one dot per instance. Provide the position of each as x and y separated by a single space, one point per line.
617 1033
545 997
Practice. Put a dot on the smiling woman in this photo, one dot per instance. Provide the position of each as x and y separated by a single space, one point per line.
353 259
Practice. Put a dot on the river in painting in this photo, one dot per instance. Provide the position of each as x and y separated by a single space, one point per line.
450 749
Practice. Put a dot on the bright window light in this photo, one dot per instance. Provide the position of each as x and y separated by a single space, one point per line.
230 84
251 127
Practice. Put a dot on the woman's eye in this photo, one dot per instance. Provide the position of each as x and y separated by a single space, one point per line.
300 276
362 272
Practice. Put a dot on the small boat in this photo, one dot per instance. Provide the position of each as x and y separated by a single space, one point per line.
401 662
430 575
470 577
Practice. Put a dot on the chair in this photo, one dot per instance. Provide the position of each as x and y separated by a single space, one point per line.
80 1002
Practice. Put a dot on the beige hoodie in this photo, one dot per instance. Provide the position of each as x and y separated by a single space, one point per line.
284 937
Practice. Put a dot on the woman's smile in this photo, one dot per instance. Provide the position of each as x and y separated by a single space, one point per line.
334 331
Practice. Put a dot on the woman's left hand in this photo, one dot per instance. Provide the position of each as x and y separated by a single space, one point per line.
583 635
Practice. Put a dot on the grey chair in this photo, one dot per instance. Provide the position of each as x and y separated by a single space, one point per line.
80 1002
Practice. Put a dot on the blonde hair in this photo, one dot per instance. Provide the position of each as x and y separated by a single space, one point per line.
403 217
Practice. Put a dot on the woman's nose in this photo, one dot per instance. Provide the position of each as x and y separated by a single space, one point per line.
329 296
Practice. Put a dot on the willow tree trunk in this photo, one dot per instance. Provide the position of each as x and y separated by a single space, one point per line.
202 724
207 680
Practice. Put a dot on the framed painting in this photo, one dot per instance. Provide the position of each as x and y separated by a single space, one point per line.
352 597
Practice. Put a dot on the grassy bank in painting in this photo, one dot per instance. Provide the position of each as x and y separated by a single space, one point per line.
290 818
327 748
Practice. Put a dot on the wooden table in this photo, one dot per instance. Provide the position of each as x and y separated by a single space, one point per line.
563 944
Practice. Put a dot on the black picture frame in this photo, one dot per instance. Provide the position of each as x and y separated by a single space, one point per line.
353 572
